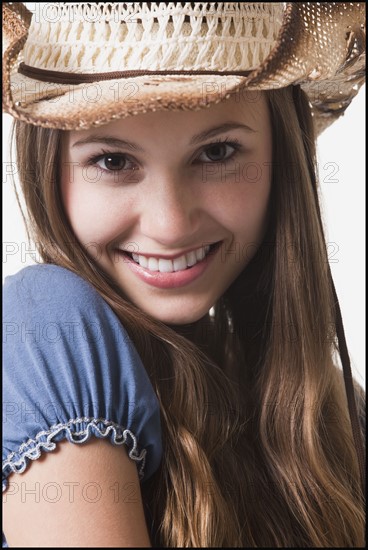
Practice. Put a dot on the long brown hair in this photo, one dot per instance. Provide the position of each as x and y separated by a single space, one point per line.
258 447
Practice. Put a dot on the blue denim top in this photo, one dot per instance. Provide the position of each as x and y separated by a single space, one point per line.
70 371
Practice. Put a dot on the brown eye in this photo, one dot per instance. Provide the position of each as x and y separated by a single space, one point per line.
219 152
216 152
113 162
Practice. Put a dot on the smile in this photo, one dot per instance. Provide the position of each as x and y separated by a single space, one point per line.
165 265
171 273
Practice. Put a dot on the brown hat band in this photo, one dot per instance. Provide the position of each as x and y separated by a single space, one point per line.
61 77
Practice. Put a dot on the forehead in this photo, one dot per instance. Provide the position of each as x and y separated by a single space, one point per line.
247 108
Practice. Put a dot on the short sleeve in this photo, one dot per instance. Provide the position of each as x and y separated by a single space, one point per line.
71 372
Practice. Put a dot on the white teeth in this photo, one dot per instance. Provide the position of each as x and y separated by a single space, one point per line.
180 263
152 264
142 260
165 265
191 258
200 254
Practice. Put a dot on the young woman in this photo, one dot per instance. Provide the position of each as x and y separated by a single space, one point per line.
182 327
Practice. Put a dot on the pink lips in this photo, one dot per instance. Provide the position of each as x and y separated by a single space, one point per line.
169 280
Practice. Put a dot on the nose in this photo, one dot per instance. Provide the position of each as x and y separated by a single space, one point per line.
169 212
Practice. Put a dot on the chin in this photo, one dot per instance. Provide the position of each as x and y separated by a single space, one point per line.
179 316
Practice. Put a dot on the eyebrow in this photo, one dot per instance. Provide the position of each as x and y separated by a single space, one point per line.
212 132
197 138
108 140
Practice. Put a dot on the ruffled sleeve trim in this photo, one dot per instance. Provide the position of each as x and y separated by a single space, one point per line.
78 430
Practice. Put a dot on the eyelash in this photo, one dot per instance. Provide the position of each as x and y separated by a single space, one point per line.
232 143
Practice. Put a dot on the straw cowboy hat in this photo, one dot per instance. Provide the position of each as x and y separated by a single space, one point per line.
75 65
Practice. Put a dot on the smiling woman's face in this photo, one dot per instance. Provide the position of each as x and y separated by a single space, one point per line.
172 205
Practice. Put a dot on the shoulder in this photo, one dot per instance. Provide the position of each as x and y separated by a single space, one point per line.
71 372
48 304
39 284
32 275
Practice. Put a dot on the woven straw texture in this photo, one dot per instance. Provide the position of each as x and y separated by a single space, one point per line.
259 46
86 41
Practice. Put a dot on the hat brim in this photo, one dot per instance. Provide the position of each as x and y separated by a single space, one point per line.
330 82
81 106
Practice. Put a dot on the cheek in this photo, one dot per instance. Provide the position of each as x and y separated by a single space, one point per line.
251 206
241 204
95 214
241 199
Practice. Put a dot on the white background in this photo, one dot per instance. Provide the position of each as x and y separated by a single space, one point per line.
341 159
